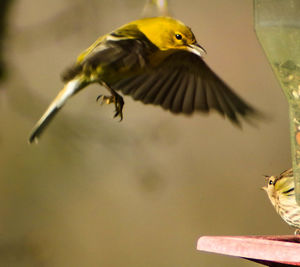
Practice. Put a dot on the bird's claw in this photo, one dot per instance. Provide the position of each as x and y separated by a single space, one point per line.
117 100
119 113
119 103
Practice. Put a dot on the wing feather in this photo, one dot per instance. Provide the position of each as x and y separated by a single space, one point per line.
177 105
168 102
189 97
132 85
166 87
200 99
160 79
149 82
212 99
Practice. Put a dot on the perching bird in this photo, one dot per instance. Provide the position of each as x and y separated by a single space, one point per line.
281 192
155 60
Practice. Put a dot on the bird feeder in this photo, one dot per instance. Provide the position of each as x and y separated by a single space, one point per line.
277 25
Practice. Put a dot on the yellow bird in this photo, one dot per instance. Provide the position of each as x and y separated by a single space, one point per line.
155 60
281 192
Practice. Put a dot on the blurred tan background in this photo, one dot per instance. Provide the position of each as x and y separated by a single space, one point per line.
95 192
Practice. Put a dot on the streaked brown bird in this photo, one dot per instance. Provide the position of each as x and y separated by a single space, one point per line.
155 60
281 192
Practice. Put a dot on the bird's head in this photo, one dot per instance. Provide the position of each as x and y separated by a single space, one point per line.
282 185
167 34
270 187
270 183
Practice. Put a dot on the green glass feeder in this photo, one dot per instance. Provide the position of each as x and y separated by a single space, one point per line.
277 25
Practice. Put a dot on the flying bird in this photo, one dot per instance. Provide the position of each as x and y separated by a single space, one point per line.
156 61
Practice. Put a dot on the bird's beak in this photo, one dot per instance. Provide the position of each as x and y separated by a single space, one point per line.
197 49
265 188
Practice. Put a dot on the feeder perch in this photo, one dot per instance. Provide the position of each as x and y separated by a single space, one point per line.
266 250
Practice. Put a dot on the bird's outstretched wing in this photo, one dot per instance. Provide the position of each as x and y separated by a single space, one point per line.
184 83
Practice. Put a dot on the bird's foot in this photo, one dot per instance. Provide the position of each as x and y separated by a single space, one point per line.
117 100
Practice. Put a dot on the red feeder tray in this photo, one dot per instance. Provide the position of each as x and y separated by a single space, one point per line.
266 250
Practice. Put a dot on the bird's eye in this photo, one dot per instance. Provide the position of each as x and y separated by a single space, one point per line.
178 36
270 182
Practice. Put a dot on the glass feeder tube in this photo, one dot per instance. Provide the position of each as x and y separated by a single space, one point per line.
277 26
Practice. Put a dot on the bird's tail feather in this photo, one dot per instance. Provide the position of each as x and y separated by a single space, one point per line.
69 89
